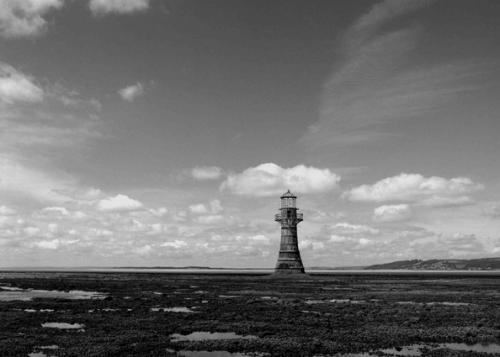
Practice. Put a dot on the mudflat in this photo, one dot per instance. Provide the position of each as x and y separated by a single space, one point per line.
175 314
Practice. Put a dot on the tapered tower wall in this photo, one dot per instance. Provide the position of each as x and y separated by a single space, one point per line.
289 260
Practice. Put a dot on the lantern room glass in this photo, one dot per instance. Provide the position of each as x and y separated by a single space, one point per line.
288 202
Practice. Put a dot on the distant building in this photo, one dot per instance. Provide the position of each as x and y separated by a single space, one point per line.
289 261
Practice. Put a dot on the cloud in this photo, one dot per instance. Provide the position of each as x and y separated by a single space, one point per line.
376 81
159 212
204 173
34 125
198 208
491 210
430 191
346 228
382 12
213 207
176 244
392 213
48 244
270 180
119 203
132 92
210 219
334 238
7 211
144 250
25 18
105 7
17 87
18 179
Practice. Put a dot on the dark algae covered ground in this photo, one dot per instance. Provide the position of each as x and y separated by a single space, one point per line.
136 314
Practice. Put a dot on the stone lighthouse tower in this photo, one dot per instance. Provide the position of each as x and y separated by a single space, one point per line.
289 261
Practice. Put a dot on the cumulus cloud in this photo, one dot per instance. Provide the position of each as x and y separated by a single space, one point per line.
270 180
25 18
132 92
492 210
144 250
119 203
392 213
431 191
159 212
57 210
213 207
17 87
198 208
7 211
205 173
210 219
176 244
346 228
334 238
104 7
48 244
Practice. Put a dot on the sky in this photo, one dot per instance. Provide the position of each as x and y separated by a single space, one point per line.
162 132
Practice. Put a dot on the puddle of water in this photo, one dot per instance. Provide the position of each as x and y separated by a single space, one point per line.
41 310
63 325
311 302
337 301
186 353
42 354
203 336
12 294
414 350
172 309
10 288
49 347
445 303
478 347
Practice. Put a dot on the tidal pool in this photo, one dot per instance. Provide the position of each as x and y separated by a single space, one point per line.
204 336
8 293
415 350
172 309
186 353
63 325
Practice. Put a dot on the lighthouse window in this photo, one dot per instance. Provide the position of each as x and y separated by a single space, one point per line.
289 213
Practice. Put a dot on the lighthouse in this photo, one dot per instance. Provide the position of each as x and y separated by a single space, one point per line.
289 261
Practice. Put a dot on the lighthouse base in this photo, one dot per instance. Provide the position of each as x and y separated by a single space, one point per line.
289 265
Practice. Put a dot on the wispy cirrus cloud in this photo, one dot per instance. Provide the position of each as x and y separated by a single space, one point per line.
377 81
35 122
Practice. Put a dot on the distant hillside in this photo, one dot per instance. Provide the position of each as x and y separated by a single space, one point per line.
441 264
